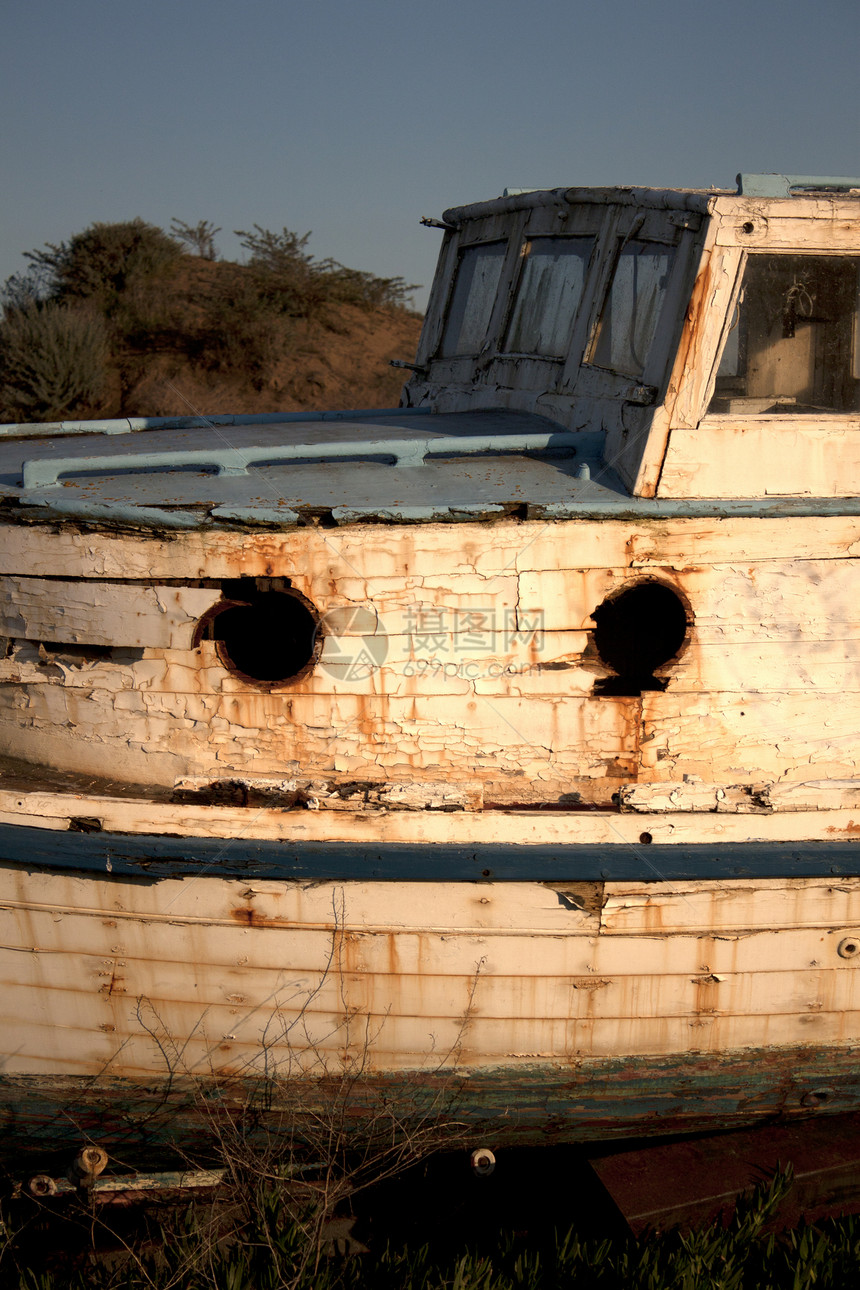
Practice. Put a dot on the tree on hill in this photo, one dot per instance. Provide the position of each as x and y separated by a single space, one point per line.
105 261
199 237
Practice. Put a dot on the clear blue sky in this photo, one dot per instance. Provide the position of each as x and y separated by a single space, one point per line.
353 118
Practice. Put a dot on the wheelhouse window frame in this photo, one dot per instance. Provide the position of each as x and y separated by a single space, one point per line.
765 322
451 347
762 447
664 324
523 285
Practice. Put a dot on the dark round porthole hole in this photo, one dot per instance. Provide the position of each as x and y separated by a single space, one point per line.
636 632
267 634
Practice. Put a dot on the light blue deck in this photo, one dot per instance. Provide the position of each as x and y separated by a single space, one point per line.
397 465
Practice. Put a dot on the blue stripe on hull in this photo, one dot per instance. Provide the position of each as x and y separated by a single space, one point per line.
154 857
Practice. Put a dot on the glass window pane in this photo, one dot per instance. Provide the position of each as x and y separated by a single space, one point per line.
548 295
472 299
792 346
632 309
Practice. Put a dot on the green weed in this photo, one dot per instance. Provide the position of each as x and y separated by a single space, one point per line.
266 1248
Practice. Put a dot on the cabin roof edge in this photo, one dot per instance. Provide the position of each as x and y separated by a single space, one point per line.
625 195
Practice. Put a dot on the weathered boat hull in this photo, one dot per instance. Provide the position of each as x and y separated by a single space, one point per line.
155 987
490 760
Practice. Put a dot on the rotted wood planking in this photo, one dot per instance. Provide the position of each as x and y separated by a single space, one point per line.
500 566
797 795
771 641
101 613
157 736
365 552
149 721
395 824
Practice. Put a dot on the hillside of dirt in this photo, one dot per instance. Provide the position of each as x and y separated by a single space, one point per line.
126 320
339 362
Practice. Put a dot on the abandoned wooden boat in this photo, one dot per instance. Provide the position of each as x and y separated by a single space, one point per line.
497 751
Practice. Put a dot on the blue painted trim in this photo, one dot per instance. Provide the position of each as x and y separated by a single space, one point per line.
580 507
667 508
773 185
152 857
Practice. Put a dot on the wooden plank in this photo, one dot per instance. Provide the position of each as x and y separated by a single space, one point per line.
101 613
725 735
736 908
815 795
84 987
566 908
670 544
59 823
755 457
773 668
828 225
148 951
104 732
222 1043
795 596
772 653
314 557
709 314
681 826
366 926
470 908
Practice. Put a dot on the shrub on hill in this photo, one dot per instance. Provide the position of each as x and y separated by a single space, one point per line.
53 361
